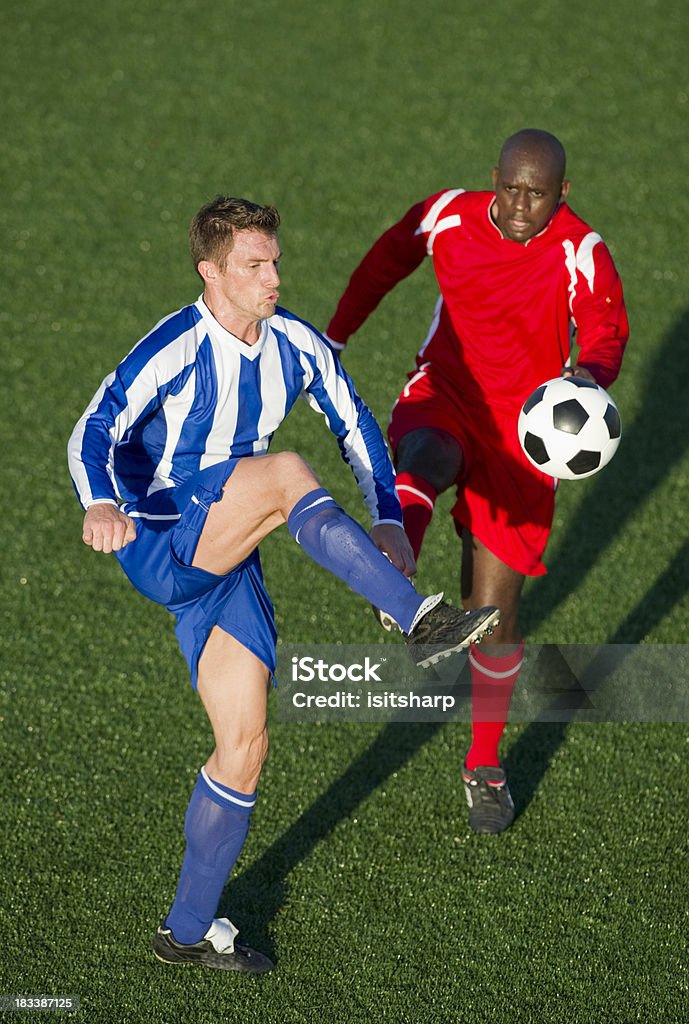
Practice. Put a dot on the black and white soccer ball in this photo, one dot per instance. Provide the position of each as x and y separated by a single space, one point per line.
569 428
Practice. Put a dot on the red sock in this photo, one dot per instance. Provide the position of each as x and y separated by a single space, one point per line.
417 498
492 682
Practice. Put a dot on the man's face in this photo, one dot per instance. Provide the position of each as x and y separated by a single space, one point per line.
528 190
248 284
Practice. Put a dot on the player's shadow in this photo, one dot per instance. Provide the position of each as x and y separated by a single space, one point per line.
653 443
651 447
258 894
528 759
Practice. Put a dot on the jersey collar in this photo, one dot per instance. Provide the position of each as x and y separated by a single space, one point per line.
220 333
522 244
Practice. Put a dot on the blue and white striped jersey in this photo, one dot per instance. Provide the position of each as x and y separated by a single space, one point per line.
190 395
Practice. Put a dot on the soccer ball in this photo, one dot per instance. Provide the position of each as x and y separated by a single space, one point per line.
569 428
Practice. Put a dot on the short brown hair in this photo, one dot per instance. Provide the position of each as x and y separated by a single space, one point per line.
211 234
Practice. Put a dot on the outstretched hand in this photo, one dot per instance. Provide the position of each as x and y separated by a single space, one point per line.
393 542
107 529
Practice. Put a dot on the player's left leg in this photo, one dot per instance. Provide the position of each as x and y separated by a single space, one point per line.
232 684
494 670
262 493
428 461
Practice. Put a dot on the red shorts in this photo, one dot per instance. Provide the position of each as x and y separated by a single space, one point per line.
504 501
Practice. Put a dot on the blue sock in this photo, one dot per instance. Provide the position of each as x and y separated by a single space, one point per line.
339 544
216 826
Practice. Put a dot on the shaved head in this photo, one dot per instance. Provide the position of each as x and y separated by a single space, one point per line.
529 184
535 143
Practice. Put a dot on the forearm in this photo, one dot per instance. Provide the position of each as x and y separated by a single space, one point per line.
89 457
604 364
601 319
365 452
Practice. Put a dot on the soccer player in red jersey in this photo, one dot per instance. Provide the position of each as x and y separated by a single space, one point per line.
520 275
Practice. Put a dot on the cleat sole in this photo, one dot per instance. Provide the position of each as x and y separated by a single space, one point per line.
485 629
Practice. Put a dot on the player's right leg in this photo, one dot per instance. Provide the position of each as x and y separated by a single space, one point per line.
262 493
232 684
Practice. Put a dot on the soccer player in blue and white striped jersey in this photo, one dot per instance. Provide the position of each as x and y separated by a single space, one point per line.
170 461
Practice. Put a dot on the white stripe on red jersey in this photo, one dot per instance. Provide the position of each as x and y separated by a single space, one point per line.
508 312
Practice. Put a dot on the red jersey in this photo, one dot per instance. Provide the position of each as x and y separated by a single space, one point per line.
508 310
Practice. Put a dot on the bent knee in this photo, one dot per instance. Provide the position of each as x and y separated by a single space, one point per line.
290 466
432 454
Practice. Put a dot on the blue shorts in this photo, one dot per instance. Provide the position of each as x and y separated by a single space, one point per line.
158 563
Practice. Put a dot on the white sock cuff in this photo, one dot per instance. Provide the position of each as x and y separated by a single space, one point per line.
427 606
222 934
228 796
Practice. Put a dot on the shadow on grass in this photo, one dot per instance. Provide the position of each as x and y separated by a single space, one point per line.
651 446
530 756
257 895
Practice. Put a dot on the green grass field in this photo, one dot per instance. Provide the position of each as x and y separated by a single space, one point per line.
360 875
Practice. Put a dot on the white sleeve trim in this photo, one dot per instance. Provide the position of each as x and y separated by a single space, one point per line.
337 345
101 501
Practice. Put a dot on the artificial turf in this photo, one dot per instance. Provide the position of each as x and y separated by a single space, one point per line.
360 874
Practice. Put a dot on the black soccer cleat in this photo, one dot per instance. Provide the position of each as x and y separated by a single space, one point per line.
443 630
217 949
490 803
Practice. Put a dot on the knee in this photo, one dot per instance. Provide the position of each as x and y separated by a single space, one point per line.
256 747
253 751
433 455
290 463
239 759
290 468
